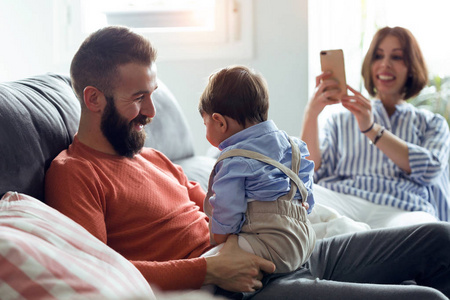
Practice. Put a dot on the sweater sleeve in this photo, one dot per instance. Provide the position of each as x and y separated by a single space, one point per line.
174 274
195 191
196 194
183 273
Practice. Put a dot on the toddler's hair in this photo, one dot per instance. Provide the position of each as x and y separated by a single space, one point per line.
236 92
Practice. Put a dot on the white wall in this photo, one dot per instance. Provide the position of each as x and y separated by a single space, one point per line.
281 45
26 33
280 54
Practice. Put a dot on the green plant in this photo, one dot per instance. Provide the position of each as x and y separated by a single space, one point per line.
435 97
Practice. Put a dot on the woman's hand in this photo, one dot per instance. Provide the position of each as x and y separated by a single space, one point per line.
327 91
360 107
392 146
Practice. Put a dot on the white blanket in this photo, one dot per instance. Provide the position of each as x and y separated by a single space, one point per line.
327 222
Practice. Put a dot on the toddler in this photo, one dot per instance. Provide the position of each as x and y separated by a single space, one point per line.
260 186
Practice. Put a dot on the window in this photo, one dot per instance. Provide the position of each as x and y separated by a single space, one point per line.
179 29
153 15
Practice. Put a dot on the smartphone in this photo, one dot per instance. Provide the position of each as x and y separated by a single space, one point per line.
333 60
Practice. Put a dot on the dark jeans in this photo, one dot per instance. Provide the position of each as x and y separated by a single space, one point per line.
370 265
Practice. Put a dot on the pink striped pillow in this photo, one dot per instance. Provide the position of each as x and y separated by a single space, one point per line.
46 255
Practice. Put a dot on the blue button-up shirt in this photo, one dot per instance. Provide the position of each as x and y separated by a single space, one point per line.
240 179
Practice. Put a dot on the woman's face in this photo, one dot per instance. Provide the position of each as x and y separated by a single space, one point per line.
389 72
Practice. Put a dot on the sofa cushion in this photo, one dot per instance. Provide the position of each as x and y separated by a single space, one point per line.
46 255
197 168
169 131
38 118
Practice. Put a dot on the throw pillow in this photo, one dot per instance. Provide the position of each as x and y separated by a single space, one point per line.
46 255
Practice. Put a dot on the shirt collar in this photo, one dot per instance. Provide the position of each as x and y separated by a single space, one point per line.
399 108
252 131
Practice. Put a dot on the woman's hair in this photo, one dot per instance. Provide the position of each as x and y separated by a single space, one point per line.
99 56
236 92
412 56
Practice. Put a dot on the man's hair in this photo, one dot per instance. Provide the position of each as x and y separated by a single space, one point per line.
236 92
99 56
412 56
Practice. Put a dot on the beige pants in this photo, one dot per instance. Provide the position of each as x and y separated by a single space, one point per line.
279 231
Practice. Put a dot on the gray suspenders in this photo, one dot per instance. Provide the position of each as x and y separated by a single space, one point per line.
291 173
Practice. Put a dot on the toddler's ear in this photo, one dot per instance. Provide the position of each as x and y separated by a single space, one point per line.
220 121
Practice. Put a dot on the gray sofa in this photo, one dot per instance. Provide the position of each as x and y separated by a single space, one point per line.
39 117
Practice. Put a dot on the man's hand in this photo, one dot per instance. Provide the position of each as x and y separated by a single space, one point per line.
236 270
220 238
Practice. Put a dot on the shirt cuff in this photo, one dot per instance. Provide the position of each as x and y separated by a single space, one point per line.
219 228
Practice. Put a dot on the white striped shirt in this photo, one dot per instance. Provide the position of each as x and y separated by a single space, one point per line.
352 165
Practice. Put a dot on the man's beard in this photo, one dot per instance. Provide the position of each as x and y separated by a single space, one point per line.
125 140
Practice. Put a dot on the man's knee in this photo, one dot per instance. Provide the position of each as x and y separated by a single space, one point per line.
436 232
440 229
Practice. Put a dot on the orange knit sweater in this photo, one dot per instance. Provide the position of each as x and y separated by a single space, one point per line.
145 208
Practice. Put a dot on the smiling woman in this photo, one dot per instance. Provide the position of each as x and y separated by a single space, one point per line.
383 161
394 68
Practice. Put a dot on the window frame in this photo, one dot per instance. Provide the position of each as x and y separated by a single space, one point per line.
230 37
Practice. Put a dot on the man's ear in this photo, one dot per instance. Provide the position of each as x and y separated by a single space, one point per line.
93 99
220 121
